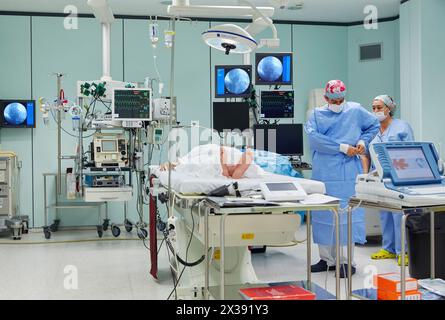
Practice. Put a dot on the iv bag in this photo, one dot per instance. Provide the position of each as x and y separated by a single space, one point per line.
154 33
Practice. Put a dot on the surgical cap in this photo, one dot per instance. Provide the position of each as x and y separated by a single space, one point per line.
387 100
335 89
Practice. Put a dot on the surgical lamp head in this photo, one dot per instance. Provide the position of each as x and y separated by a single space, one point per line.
229 38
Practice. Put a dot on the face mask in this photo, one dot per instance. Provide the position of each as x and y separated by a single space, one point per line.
380 115
336 108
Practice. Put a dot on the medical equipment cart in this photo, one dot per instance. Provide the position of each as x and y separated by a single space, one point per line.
219 292
405 211
67 204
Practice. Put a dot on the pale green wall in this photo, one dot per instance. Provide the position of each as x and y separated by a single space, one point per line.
422 68
15 73
410 65
320 54
368 79
433 71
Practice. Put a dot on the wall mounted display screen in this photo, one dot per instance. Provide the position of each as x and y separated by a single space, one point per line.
273 69
233 81
229 116
277 104
17 113
285 139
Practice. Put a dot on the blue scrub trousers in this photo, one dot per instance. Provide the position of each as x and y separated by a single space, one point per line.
391 224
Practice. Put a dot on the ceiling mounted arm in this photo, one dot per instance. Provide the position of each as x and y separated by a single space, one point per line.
183 8
104 14
259 17
259 23
101 10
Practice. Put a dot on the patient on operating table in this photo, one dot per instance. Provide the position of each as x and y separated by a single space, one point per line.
212 160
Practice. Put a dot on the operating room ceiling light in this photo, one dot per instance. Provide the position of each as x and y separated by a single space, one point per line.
229 38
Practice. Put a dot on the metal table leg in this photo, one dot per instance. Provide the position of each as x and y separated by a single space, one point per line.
100 213
402 257
308 249
349 294
58 191
337 250
206 246
432 246
222 237
45 201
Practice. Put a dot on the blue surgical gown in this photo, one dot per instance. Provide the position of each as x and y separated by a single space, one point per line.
398 130
326 131
275 163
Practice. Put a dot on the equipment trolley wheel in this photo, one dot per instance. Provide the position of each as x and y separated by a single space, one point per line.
55 226
106 224
17 233
115 230
100 231
47 232
25 227
128 225
142 233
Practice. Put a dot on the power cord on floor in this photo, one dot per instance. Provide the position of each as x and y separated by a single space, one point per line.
145 244
160 246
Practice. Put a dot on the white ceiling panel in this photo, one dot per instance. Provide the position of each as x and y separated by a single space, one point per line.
313 10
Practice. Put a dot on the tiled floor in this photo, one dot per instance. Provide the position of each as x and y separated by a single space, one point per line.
119 269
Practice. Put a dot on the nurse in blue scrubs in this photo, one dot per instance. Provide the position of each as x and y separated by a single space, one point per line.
390 130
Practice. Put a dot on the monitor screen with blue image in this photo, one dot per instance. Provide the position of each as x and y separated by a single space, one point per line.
17 114
233 81
273 69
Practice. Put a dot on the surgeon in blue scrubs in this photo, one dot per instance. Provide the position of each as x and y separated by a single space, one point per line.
339 132
390 130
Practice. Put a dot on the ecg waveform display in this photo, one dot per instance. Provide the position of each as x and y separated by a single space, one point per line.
277 104
134 104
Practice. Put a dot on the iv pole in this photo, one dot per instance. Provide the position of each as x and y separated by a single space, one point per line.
59 134
172 80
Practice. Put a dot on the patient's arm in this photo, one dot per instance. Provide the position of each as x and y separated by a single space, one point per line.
365 163
243 165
